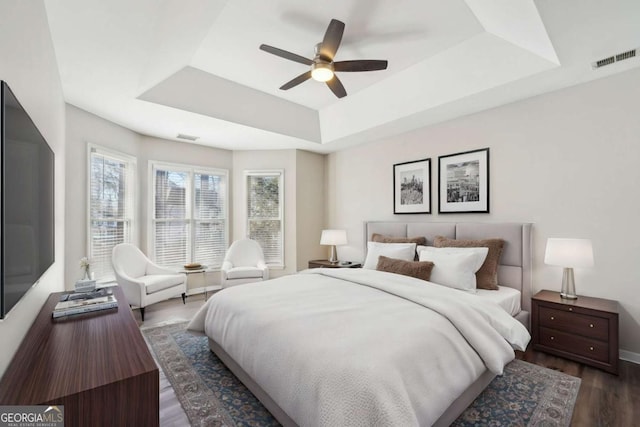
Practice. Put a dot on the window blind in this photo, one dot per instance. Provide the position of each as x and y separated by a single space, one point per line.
264 213
111 186
190 216
210 218
171 217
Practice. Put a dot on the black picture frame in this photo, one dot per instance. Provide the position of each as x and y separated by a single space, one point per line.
415 197
463 182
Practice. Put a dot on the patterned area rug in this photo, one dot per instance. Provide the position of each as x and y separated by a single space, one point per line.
526 395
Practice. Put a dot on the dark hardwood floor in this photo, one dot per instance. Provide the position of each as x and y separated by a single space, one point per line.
604 399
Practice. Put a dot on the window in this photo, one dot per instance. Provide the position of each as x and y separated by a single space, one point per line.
189 215
265 212
111 206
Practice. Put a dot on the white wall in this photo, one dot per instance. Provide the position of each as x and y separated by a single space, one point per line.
566 161
84 128
188 154
310 207
175 152
29 66
267 160
304 215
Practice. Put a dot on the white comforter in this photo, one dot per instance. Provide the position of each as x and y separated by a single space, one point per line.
360 347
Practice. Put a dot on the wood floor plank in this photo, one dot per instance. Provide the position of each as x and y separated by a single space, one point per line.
604 399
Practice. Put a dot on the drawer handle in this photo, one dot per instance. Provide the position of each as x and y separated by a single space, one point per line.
591 348
591 325
553 318
570 309
552 338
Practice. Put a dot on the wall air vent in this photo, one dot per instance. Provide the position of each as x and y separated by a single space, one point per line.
625 55
187 137
614 58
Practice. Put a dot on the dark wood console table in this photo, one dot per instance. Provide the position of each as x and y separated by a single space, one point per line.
97 365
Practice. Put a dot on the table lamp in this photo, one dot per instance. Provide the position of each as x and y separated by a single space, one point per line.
333 238
569 253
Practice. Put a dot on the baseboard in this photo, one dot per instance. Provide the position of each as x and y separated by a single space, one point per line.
630 356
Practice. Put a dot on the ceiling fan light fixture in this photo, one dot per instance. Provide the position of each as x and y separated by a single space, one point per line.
321 71
322 65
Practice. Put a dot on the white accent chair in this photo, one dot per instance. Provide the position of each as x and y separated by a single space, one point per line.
143 282
243 263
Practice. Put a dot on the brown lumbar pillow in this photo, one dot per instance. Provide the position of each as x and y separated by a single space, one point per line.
375 237
417 269
487 276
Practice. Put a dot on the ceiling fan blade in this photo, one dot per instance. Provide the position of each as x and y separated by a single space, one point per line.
295 82
332 39
285 54
360 65
336 87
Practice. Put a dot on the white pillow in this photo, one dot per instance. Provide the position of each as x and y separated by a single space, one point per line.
454 267
405 251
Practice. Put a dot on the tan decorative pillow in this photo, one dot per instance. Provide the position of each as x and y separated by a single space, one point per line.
375 237
487 276
417 269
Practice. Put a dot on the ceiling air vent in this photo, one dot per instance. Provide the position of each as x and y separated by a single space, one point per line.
187 137
614 58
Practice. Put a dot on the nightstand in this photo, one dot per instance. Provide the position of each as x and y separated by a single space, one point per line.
584 330
323 263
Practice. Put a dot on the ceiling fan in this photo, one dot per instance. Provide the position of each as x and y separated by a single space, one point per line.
323 68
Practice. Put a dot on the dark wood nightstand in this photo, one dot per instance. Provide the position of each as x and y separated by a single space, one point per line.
584 329
323 263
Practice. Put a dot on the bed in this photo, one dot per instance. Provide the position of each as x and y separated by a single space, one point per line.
363 347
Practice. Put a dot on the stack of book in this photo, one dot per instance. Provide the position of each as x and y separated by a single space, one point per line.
74 303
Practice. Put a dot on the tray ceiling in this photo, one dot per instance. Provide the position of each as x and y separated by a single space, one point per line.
167 67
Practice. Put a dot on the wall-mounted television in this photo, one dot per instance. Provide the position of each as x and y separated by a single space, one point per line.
27 202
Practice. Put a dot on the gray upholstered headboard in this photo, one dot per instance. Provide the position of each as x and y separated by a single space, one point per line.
514 269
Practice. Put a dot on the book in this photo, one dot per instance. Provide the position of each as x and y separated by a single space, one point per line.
79 306
70 296
85 285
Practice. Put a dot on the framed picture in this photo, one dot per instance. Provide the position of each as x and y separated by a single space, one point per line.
412 187
463 182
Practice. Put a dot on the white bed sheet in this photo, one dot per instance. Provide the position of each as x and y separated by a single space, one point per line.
356 348
506 297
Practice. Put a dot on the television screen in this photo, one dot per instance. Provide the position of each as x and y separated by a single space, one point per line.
27 191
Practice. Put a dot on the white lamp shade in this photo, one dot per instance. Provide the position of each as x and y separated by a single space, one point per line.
333 237
569 252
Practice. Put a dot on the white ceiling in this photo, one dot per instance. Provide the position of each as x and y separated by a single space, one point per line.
163 67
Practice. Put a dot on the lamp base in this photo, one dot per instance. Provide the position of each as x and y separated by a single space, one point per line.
568 290
333 258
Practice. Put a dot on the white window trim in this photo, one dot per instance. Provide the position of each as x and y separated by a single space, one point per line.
267 172
191 169
132 199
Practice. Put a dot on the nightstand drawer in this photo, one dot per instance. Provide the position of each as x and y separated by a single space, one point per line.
588 326
584 330
579 346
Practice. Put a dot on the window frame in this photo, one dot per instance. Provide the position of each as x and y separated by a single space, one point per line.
267 172
130 199
191 170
